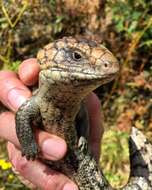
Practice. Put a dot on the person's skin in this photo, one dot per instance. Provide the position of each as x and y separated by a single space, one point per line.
13 92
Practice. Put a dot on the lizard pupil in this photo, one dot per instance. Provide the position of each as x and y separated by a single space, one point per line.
76 56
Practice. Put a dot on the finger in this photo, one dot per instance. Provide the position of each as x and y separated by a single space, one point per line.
28 71
38 173
13 91
47 142
95 120
26 182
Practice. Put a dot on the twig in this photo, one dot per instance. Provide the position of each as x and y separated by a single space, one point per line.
13 24
2 58
135 41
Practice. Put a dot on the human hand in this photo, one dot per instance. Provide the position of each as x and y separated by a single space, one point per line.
13 93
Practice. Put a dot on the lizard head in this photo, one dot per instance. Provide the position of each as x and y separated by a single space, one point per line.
70 59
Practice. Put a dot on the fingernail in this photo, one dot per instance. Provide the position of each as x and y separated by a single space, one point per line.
54 148
70 186
16 97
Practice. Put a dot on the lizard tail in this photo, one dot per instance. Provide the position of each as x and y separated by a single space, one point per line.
140 162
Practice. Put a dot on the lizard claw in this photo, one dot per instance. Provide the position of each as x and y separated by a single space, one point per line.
30 151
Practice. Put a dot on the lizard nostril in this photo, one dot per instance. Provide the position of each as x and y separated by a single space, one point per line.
106 64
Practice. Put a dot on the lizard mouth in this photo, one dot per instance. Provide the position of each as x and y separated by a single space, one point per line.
65 75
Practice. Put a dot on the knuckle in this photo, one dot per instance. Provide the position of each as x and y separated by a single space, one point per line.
51 184
54 182
4 114
19 163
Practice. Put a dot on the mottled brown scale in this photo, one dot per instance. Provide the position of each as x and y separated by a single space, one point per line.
49 46
41 54
70 70
90 49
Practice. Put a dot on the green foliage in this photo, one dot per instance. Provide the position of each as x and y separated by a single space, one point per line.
7 177
12 66
133 22
115 155
130 16
58 25
23 29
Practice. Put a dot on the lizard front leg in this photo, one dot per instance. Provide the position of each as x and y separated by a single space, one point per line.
25 115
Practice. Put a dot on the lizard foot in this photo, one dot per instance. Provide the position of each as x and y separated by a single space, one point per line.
30 151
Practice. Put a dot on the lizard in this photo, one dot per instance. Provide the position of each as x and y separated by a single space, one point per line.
71 68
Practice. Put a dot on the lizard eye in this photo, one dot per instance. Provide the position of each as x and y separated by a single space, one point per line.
76 56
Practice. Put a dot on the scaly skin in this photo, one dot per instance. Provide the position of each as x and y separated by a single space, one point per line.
70 69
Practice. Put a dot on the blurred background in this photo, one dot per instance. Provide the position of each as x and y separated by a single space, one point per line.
125 28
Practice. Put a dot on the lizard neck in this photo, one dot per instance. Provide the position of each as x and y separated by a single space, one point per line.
59 105
66 97
63 98
60 101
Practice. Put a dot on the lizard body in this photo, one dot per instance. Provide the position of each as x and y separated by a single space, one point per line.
70 69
